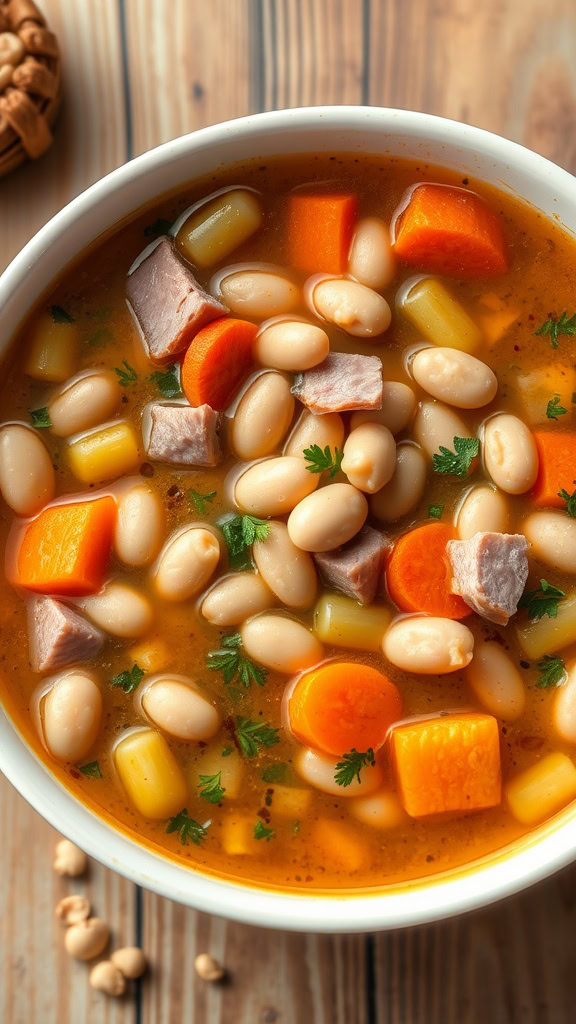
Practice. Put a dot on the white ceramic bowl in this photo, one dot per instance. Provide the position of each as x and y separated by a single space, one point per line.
366 129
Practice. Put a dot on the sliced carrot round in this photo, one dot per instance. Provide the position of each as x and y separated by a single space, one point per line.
418 573
217 362
343 706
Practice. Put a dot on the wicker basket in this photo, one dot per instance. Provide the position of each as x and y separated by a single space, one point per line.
29 83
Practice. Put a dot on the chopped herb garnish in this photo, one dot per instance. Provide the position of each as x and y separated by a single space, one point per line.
275 773
552 672
350 766
199 500
168 381
261 832
252 736
129 680
159 227
186 827
41 417
91 770
210 788
435 511
233 663
557 325
458 462
100 336
570 500
60 316
295 828
240 532
227 751
127 375
554 409
541 602
323 460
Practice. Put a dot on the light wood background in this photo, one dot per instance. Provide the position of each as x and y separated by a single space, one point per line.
139 72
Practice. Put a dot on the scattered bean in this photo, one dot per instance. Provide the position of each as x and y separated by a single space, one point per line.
259 294
73 909
208 968
510 453
69 860
428 644
130 960
26 472
280 643
186 564
369 457
353 307
328 518
263 416
403 492
107 977
291 345
87 939
275 486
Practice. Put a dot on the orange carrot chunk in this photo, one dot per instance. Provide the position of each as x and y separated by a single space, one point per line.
418 573
451 763
320 232
66 549
451 231
217 362
557 467
343 706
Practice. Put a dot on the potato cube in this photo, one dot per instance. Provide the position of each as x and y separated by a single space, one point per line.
434 311
104 454
342 622
337 841
237 835
290 802
550 635
542 789
53 350
150 774
536 388
217 228
211 762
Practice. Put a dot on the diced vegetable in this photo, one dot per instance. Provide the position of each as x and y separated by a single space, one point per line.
537 387
150 774
542 789
379 810
418 574
218 361
66 549
219 227
449 763
237 836
231 768
338 842
290 802
104 454
342 706
53 350
151 655
451 231
494 325
439 316
557 467
549 635
320 232
343 622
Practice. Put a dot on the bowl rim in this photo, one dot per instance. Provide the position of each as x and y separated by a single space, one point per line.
495 876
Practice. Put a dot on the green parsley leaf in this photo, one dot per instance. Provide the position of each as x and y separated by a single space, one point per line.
60 316
199 500
435 511
252 736
129 680
233 663
159 227
557 325
91 770
458 462
127 376
350 766
168 381
541 602
552 672
41 417
99 337
186 827
570 500
240 532
261 832
554 409
275 773
210 788
321 461
227 751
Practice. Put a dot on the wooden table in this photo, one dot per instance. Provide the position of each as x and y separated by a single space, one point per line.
139 72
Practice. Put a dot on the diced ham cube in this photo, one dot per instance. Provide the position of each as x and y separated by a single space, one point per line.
168 303
343 381
59 636
490 572
184 435
356 568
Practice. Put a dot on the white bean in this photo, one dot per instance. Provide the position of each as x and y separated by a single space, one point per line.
358 310
371 260
428 644
26 471
398 408
328 518
383 810
107 977
289 572
280 643
484 510
436 425
236 597
291 345
552 536
85 403
510 453
496 682
186 563
403 492
310 429
454 377
71 716
139 526
87 939
369 457
319 770
259 294
263 416
119 610
564 708
275 486
179 708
